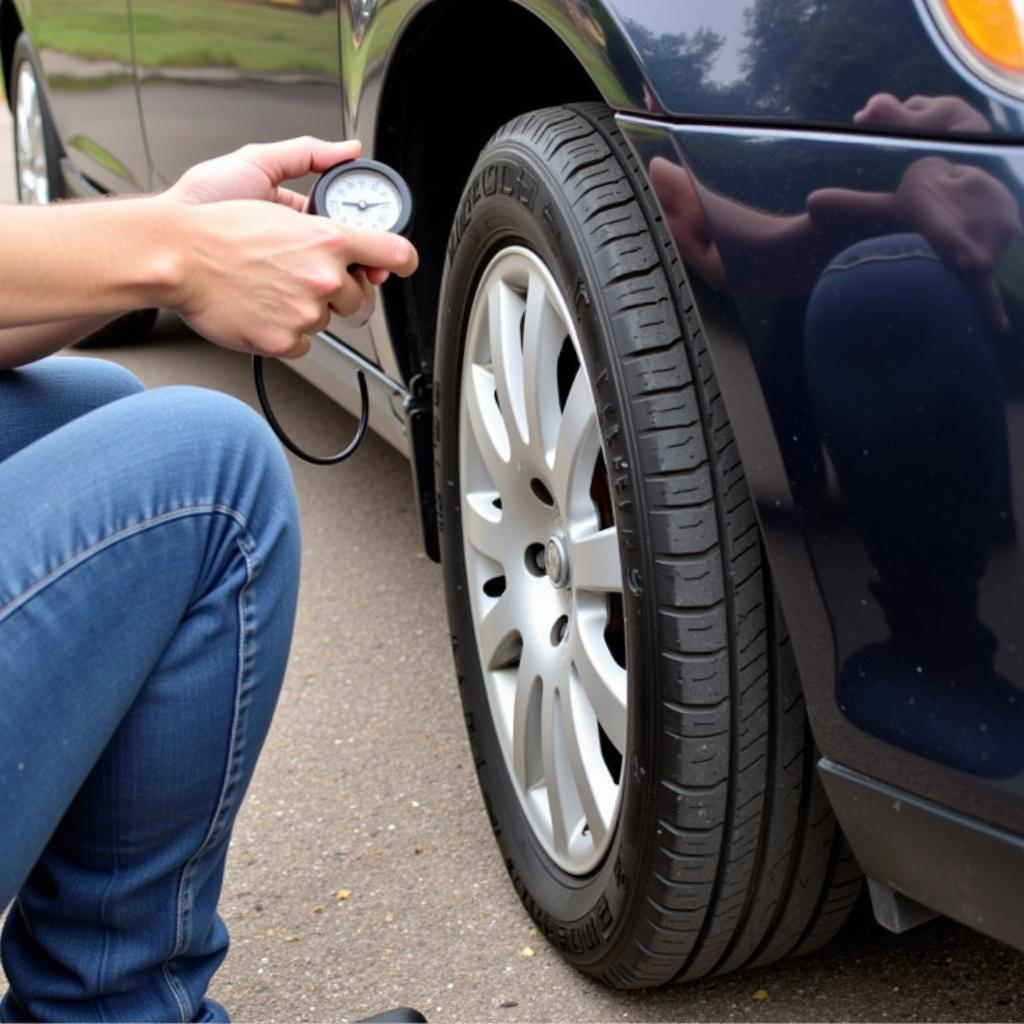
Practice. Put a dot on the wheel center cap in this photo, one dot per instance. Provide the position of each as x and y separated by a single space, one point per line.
556 562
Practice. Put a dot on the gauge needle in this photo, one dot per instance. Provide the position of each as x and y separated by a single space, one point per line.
362 204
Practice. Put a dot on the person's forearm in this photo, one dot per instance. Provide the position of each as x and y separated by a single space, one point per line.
725 242
764 252
245 273
88 259
21 345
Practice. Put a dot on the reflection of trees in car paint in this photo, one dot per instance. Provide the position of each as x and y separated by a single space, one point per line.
683 60
801 57
901 342
798 47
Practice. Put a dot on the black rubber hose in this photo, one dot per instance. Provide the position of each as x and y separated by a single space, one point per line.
317 460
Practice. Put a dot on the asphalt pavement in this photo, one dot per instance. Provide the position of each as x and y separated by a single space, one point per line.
362 872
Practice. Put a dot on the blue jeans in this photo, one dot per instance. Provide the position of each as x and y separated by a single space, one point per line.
904 377
149 559
902 371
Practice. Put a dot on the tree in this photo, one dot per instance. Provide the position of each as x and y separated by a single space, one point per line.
677 63
823 59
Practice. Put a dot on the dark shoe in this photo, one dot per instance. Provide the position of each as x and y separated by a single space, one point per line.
400 1015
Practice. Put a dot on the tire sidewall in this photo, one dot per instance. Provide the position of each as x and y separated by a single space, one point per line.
511 199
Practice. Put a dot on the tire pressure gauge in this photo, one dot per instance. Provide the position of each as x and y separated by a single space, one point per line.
362 194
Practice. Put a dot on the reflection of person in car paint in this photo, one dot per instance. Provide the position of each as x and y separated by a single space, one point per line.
899 355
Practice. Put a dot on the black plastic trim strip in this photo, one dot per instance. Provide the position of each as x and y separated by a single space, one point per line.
798 129
955 865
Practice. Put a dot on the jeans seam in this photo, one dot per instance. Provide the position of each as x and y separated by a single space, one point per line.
880 258
179 996
109 540
104 956
184 907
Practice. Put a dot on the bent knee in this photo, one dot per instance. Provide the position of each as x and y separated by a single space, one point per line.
197 427
883 301
108 381
204 409
80 384
210 420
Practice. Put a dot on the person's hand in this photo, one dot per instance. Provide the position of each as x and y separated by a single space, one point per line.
969 217
260 277
258 171
924 113
686 220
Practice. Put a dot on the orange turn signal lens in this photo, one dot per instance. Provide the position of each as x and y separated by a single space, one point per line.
995 28
989 36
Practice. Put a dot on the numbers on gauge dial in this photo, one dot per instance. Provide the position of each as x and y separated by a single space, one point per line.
364 199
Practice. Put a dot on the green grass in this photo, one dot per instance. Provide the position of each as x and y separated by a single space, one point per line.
192 34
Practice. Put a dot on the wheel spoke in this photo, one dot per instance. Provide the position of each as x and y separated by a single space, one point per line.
30 141
482 524
23 124
563 801
595 562
504 313
527 760
577 444
543 333
26 99
593 783
499 630
603 680
487 425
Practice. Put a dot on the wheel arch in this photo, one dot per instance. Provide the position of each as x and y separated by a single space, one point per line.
479 89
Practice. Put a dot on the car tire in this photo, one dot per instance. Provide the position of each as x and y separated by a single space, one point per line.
37 149
721 851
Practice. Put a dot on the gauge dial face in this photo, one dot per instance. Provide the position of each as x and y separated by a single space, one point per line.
364 198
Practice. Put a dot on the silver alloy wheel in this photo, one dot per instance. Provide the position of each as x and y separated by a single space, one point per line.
542 559
30 140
